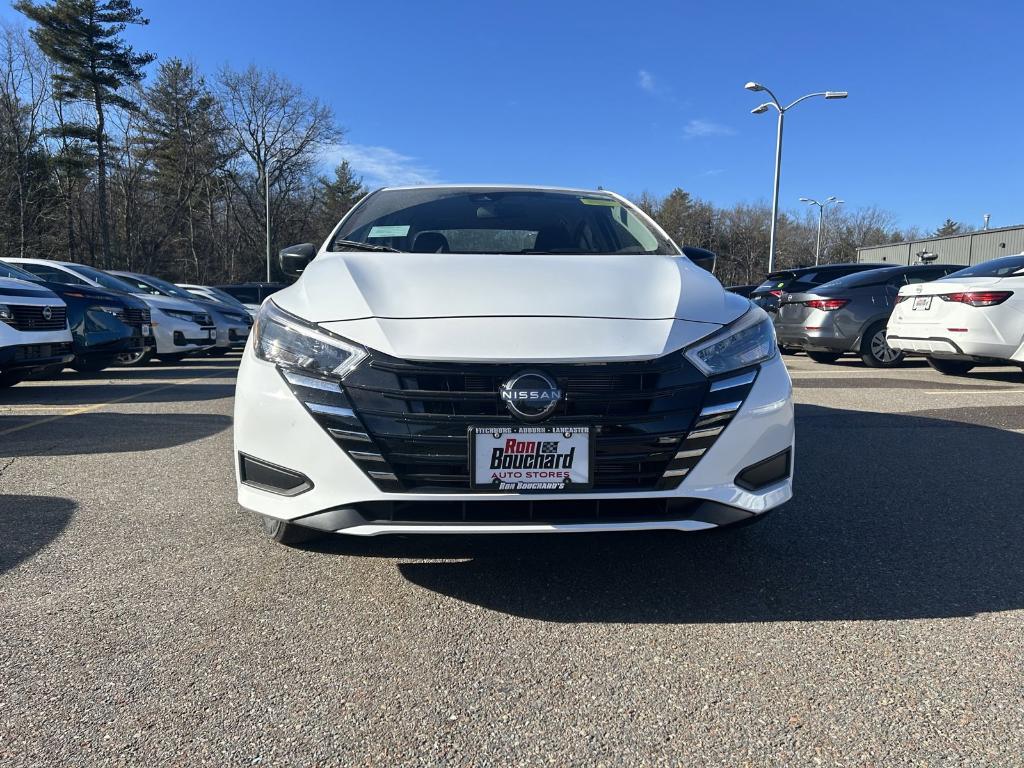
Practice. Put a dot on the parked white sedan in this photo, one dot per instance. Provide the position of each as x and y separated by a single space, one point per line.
972 316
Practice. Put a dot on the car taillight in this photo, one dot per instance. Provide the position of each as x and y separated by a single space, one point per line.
827 304
978 298
776 294
901 299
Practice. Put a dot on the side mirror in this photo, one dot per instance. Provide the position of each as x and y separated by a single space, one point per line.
702 257
295 258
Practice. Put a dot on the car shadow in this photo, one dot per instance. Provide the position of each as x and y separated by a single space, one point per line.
894 517
96 393
30 523
87 433
1007 373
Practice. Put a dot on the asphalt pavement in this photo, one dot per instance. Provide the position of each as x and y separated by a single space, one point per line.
876 620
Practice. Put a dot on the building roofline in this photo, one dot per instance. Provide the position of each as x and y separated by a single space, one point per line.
943 237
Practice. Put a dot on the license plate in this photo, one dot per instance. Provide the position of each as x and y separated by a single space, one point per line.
531 458
211 334
145 330
923 302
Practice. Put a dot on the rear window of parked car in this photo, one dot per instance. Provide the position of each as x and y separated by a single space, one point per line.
1004 267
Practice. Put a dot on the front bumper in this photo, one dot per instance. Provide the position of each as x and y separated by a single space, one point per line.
272 426
175 336
32 357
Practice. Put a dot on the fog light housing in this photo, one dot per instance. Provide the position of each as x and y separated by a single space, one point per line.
766 472
272 477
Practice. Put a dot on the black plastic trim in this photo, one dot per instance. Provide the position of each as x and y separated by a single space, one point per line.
272 478
766 472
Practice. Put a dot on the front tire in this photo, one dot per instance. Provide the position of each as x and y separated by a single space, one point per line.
288 534
950 367
824 357
10 379
875 350
135 358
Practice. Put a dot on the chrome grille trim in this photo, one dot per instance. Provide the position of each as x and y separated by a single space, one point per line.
736 381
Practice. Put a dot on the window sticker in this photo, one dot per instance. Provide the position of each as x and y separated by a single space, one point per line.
392 231
599 201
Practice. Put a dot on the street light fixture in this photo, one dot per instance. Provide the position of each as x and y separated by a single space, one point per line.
830 200
774 103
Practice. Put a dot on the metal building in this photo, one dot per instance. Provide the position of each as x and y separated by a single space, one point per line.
967 249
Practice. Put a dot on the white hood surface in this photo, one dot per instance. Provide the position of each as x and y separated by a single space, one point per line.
169 302
354 286
520 307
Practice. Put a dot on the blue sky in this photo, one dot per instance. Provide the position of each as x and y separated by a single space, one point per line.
649 96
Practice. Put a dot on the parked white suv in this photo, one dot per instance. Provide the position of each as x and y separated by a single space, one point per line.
34 331
180 327
972 316
500 359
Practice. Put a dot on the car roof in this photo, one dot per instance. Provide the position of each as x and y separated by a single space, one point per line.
496 187
796 271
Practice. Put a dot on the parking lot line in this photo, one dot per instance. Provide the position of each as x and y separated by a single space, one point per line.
974 392
96 406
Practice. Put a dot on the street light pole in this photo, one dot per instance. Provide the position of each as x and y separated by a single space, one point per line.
831 199
775 104
775 192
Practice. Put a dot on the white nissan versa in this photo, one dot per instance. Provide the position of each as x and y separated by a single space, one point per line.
974 316
505 359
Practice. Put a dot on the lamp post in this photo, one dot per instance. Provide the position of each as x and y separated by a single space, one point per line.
774 103
830 200
266 199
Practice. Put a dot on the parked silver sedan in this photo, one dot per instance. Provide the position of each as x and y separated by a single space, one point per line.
849 315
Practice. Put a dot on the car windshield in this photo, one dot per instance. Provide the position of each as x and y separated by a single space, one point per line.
168 289
1007 266
508 221
102 278
8 270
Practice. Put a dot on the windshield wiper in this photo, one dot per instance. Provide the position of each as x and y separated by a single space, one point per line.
365 246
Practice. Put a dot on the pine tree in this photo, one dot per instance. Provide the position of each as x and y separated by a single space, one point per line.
949 228
183 136
92 63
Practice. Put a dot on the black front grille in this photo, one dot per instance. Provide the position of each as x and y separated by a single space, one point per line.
137 317
406 423
33 318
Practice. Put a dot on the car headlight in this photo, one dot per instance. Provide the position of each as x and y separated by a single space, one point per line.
747 341
293 343
115 311
180 314
6 313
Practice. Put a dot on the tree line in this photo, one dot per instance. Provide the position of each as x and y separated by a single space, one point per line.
169 177
181 176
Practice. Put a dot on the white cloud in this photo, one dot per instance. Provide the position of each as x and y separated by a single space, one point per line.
713 172
646 81
702 129
381 166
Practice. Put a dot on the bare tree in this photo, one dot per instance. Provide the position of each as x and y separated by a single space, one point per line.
281 134
24 95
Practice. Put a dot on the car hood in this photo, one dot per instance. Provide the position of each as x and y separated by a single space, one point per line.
169 302
13 291
531 307
65 290
355 286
